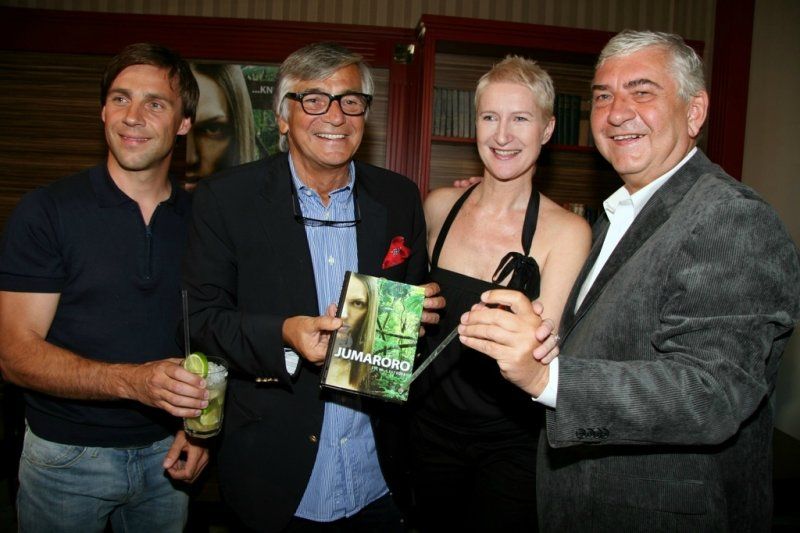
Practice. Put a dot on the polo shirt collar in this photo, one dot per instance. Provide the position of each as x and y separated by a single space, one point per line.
109 195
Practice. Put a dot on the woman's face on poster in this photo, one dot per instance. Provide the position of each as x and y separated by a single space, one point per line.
355 305
209 144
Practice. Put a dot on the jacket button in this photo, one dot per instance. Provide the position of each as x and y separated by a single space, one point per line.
313 439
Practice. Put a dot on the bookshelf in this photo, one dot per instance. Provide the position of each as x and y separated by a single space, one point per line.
453 53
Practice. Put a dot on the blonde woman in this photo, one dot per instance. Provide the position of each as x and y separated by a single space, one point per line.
475 435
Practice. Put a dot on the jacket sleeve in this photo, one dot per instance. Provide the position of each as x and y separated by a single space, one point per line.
251 341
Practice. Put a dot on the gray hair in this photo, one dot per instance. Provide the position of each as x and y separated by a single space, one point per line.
687 67
516 69
316 61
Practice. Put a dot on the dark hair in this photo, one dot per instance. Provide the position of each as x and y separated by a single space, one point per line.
157 56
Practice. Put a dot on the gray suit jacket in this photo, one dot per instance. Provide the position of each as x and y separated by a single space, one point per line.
664 412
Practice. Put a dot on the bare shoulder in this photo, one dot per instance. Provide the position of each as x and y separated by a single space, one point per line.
558 223
438 203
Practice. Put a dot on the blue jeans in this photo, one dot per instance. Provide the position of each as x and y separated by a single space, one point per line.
78 489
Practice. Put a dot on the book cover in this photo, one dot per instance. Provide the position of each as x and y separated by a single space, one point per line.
373 352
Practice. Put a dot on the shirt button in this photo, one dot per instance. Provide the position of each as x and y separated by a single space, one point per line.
308 193
331 260
343 440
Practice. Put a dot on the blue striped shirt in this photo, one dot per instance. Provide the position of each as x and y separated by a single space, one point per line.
346 475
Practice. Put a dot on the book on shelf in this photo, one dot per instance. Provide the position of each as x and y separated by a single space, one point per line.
466 106
567 109
574 118
472 115
373 353
458 126
437 111
584 125
453 113
558 112
458 119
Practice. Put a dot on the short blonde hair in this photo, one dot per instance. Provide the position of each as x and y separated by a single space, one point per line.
516 69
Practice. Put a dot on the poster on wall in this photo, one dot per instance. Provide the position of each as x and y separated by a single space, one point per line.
235 122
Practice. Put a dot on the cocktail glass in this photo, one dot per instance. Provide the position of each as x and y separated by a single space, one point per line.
209 422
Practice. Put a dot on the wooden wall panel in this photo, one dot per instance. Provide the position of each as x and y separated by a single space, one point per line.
50 111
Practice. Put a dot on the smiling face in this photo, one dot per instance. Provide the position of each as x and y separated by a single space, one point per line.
640 124
209 144
510 130
142 116
324 144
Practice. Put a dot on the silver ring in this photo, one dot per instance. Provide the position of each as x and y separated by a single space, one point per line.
557 338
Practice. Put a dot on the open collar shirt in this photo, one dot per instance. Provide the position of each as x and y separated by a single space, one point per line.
346 476
621 209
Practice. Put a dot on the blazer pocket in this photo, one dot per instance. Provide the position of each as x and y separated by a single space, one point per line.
688 497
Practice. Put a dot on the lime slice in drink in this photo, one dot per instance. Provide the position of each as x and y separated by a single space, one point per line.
196 363
210 415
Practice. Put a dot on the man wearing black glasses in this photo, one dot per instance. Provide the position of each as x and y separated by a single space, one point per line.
268 248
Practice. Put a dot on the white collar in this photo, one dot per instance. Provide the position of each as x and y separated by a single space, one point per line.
640 198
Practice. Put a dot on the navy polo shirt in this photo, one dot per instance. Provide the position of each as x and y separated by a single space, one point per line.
120 301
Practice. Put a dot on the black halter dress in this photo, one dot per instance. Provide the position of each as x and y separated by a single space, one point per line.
462 389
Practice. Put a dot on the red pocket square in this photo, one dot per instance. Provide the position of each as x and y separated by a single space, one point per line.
398 252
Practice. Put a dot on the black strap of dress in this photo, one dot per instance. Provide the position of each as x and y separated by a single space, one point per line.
523 269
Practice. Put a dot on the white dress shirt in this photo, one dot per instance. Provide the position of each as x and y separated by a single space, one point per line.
621 209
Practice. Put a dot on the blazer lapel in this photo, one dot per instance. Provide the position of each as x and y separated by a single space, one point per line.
371 231
652 216
274 210
599 231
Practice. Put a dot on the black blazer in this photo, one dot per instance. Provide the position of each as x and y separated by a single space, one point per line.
247 269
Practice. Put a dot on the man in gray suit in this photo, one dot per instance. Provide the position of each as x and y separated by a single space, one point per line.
661 408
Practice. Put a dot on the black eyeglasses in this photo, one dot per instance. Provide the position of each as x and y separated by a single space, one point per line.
315 222
316 103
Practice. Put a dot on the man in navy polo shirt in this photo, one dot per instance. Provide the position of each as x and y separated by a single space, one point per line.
89 305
